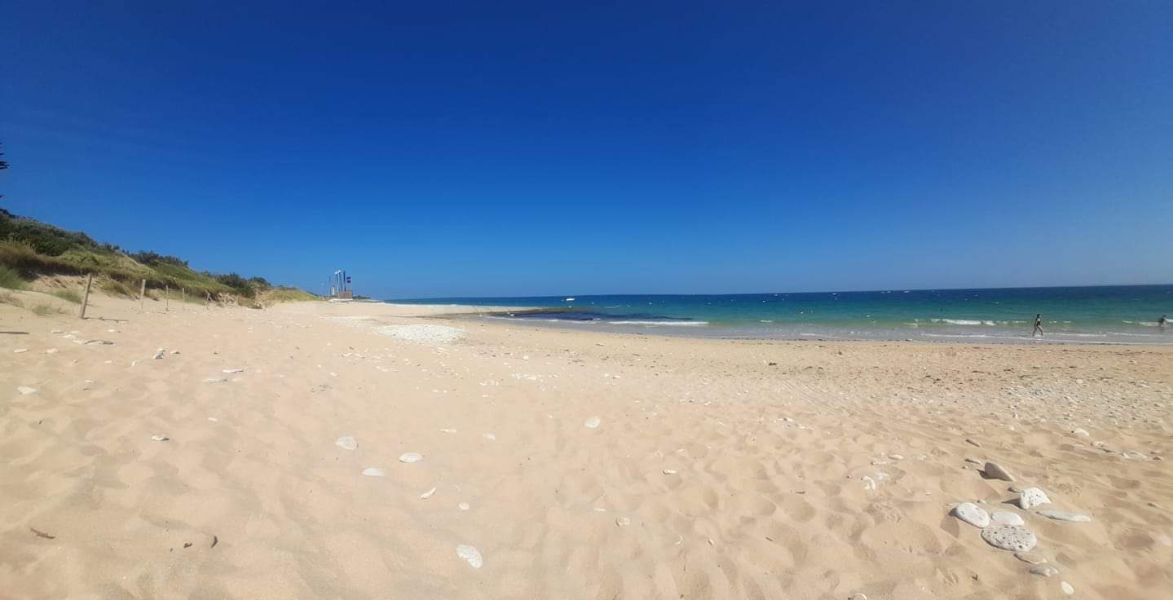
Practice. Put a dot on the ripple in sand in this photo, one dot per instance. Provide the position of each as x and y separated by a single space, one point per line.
471 555
346 442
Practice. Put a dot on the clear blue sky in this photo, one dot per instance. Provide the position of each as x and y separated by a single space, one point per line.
496 148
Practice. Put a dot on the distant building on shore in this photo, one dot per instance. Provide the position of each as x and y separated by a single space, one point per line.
340 285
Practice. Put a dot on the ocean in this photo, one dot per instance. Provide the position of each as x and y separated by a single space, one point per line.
1106 314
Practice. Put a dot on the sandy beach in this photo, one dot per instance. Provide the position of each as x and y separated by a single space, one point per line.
316 450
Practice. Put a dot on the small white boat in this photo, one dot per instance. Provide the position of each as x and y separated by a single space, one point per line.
570 299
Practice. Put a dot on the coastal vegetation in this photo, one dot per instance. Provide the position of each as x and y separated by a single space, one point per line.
30 249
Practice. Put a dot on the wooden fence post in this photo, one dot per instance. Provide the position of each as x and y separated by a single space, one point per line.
184 292
166 298
142 294
85 299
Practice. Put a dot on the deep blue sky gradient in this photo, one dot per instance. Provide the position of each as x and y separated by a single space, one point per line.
449 149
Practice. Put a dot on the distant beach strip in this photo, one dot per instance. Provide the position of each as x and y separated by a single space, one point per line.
1084 315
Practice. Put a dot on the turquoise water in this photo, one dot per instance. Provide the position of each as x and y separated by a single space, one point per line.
1115 314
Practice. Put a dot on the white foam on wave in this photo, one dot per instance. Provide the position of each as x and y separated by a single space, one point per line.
660 323
964 322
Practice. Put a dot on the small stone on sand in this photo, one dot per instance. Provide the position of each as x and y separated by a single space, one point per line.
346 442
373 472
1060 515
972 514
26 390
1004 517
463 506
592 423
994 470
1067 588
622 522
160 438
232 371
410 457
428 494
1010 537
1030 558
1032 497
471 555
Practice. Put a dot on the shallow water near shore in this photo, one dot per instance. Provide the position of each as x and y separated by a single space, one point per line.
1084 315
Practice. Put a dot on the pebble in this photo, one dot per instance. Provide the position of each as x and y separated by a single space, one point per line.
1030 558
972 442
622 522
26 390
1060 515
1003 517
1044 570
1010 537
159 354
1079 431
373 472
410 457
160 438
19 350
592 423
1032 497
470 555
972 514
231 371
346 443
669 471
428 494
993 470
463 506
489 436
1067 588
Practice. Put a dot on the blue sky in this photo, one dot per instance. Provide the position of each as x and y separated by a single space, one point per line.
571 148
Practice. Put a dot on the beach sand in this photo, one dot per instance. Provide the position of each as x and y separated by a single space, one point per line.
716 469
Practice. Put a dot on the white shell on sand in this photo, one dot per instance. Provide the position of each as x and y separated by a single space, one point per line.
215 380
669 471
1010 537
346 443
1060 515
1030 558
592 423
622 522
1032 497
231 371
1067 588
26 390
428 494
463 506
1005 517
159 354
489 436
471 555
373 472
160 438
410 457
972 514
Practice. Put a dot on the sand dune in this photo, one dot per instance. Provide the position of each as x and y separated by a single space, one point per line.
717 469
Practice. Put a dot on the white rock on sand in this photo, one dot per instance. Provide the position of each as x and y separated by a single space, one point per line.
346 442
373 472
994 470
410 457
1004 517
592 423
1032 497
26 390
972 514
1010 537
470 555
1060 515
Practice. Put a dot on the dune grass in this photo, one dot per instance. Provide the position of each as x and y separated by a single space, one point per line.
44 310
10 278
68 295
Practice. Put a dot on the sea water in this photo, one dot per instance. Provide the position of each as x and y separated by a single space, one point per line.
1107 314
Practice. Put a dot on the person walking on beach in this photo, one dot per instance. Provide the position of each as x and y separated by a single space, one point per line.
1038 332
1163 322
